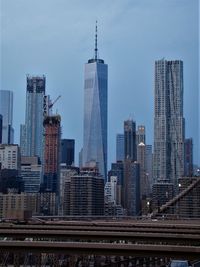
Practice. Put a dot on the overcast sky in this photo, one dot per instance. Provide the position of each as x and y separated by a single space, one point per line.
56 38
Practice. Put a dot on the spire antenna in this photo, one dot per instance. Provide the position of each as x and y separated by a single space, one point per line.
96 49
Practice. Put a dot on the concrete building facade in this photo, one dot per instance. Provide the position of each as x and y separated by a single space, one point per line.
10 156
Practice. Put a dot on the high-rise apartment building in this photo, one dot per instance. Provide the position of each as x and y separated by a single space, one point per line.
86 194
34 131
130 140
66 172
67 151
51 153
168 121
120 147
6 110
188 162
95 112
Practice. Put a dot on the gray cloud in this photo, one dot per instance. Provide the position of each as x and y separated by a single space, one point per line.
56 37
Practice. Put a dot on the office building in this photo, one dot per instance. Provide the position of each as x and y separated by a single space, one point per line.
130 140
23 139
119 147
140 135
112 191
1 128
95 112
188 162
117 170
51 153
67 151
34 131
168 122
6 110
10 157
131 188
149 165
31 173
144 177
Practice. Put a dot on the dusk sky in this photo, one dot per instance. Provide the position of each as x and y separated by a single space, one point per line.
56 38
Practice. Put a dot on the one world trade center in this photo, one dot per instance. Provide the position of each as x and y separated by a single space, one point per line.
95 112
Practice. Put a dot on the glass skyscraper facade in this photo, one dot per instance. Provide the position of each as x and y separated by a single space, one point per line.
95 113
120 147
169 123
130 151
34 131
6 110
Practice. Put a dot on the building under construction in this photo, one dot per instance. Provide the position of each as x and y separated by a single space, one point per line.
51 153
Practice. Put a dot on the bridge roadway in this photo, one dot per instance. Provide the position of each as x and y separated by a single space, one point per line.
136 250
141 226
139 238
74 235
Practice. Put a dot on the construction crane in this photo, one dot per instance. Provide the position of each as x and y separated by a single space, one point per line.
51 104
47 105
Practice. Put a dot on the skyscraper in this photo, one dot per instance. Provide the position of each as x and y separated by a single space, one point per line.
1 127
120 147
51 153
149 164
144 177
67 151
6 110
131 188
140 135
168 121
188 171
95 112
130 140
34 130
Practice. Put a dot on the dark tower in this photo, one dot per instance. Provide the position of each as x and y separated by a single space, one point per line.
67 151
130 140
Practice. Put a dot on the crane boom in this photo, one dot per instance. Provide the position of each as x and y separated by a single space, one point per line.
51 104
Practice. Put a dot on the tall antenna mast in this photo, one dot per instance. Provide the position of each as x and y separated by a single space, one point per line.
96 49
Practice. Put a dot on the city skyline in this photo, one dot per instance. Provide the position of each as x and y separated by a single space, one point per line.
130 52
